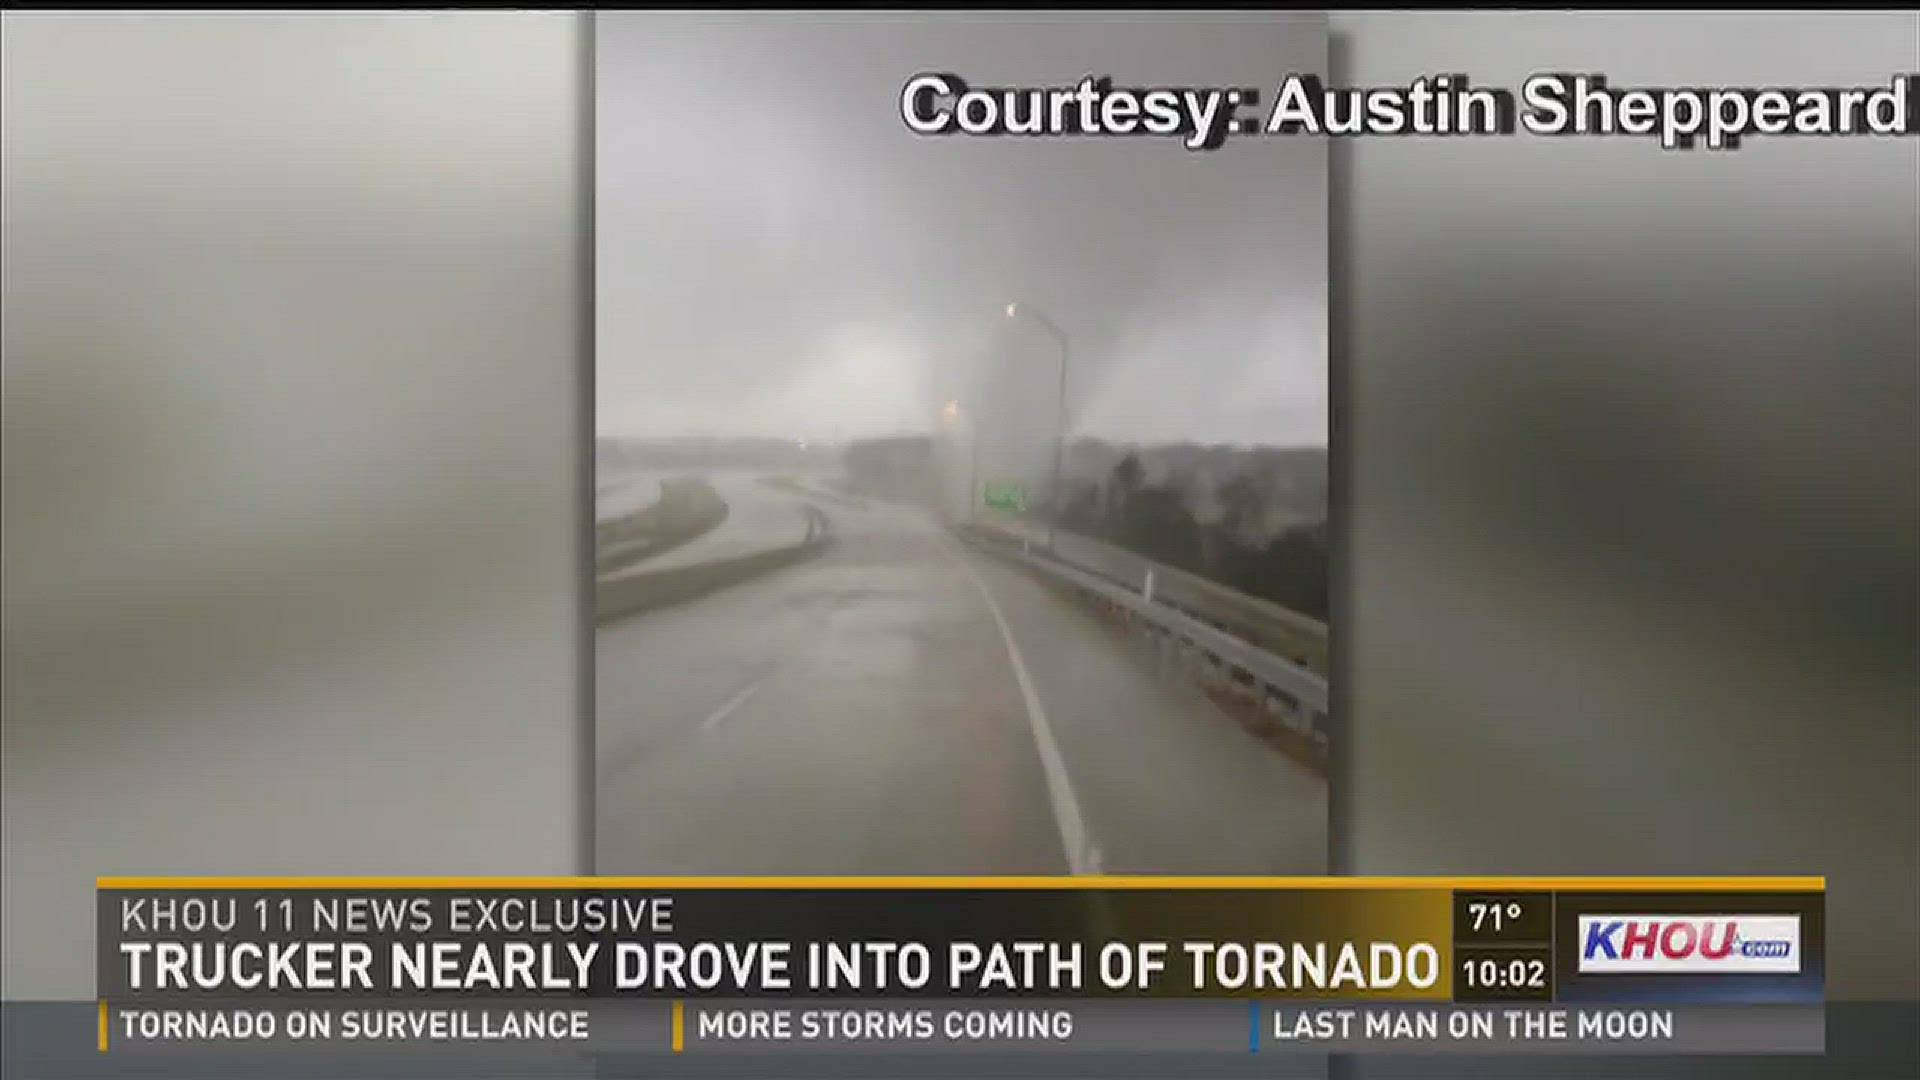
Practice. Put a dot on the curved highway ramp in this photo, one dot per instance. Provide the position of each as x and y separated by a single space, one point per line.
902 704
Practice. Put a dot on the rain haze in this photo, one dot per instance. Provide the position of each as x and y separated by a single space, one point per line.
859 557
779 255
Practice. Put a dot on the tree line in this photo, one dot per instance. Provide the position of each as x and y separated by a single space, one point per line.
1232 545
1290 567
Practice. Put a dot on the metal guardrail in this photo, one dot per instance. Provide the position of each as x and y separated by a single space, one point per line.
1283 692
1260 622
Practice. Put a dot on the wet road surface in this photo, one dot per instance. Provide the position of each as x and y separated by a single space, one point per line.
902 704
626 493
759 517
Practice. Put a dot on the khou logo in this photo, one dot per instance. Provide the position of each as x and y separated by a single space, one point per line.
1659 944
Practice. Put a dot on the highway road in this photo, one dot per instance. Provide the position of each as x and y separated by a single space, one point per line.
902 704
759 518
627 492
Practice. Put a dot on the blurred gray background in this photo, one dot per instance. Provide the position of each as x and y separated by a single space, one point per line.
1631 443
292 350
292 309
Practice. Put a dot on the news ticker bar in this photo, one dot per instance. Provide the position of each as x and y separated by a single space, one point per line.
600 1028
1460 940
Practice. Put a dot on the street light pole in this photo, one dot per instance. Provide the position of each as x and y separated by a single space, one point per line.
973 468
1054 494
957 425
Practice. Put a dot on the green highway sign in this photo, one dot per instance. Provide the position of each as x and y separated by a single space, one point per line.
1006 496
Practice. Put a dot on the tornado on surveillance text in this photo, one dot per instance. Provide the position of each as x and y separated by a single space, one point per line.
1206 117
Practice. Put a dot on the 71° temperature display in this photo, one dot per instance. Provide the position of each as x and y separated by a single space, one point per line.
1502 918
1490 916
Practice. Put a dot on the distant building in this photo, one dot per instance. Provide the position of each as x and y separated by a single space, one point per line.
899 467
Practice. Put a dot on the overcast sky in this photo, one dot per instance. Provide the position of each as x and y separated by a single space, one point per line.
779 255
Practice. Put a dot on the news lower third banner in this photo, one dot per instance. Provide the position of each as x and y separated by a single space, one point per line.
956 965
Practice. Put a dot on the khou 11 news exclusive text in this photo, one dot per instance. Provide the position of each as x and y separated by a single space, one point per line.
944 965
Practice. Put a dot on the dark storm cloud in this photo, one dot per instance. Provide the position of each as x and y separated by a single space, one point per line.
778 254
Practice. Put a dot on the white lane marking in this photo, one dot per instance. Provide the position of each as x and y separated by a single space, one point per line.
732 704
1082 855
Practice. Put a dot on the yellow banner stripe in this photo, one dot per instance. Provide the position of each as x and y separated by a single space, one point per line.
1082 881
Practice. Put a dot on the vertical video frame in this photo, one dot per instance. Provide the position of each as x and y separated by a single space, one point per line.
961 502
